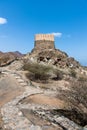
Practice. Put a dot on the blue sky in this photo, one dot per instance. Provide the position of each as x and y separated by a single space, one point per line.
20 20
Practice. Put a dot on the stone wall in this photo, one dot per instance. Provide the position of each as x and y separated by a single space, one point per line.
44 41
48 37
40 45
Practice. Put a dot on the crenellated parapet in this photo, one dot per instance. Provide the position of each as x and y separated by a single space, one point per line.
46 37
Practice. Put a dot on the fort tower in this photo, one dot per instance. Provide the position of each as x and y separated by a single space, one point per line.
44 41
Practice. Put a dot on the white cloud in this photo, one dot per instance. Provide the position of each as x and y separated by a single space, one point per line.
3 20
57 34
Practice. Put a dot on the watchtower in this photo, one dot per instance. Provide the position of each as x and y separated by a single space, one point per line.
44 41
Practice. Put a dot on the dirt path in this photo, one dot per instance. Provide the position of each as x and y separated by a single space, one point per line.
14 89
9 89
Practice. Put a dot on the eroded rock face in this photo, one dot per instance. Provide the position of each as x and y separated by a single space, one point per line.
9 57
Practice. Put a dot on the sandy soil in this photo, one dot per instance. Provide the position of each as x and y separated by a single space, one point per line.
45 100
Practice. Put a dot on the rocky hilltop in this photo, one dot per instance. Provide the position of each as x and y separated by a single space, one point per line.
42 90
53 57
45 52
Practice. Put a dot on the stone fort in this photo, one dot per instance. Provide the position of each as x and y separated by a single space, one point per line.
44 41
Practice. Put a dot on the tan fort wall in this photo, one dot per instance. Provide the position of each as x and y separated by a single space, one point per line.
47 37
44 41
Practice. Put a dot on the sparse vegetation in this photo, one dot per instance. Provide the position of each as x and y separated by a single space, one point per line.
37 71
76 98
77 93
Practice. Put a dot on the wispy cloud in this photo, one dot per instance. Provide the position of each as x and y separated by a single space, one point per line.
57 34
3 20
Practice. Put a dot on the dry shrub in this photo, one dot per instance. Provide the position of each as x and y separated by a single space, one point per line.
73 73
82 78
79 89
37 71
77 93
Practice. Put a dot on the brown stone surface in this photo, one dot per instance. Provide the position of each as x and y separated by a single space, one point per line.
44 44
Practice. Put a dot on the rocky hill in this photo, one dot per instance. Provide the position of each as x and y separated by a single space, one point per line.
43 90
53 57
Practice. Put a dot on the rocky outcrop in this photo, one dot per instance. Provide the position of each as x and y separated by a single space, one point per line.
9 57
53 57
